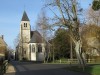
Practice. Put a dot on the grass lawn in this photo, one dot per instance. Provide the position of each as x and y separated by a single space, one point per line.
93 69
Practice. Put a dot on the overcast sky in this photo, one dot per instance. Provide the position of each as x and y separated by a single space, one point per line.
11 12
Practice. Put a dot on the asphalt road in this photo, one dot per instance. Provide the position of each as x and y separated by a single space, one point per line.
30 68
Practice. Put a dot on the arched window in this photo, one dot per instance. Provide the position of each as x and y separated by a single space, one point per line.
24 51
39 48
33 48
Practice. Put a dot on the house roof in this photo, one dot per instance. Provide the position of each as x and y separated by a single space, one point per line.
36 37
3 47
32 32
2 42
25 17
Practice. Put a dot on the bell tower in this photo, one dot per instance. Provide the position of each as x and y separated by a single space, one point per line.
24 35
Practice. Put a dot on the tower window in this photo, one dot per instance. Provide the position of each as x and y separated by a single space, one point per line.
25 24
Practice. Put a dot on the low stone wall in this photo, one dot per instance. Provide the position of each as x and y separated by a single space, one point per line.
3 67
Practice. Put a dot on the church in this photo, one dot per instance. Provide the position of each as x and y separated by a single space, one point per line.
31 46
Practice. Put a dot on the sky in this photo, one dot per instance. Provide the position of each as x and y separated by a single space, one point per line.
11 12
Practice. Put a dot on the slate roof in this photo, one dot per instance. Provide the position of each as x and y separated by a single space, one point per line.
25 17
32 32
36 37
2 42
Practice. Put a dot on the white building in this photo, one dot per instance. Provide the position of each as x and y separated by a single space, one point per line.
31 46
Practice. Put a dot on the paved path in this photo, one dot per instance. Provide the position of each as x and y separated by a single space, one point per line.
29 68
10 69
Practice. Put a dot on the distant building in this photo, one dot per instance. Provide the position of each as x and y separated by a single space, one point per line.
3 48
31 46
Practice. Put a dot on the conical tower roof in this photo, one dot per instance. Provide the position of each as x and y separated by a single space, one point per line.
25 17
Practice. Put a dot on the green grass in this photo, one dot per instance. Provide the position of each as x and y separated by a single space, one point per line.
93 70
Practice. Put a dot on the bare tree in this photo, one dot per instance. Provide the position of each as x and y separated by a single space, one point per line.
42 27
93 17
91 39
69 18
16 41
42 23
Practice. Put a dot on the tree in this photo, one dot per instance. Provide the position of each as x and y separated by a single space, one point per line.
91 39
16 41
42 27
93 17
69 10
61 44
42 24
96 5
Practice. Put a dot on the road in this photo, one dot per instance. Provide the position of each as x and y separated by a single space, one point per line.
30 68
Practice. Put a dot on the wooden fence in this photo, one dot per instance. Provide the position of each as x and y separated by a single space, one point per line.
3 67
69 61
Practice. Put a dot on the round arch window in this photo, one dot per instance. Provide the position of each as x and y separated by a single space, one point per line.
33 48
39 48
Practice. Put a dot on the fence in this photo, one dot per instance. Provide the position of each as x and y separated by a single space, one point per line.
3 67
69 61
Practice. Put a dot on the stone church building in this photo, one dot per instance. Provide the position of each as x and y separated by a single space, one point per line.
31 46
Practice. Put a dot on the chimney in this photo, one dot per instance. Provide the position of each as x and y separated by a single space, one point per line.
2 36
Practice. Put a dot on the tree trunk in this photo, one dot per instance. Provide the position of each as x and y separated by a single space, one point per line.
79 54
71 50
